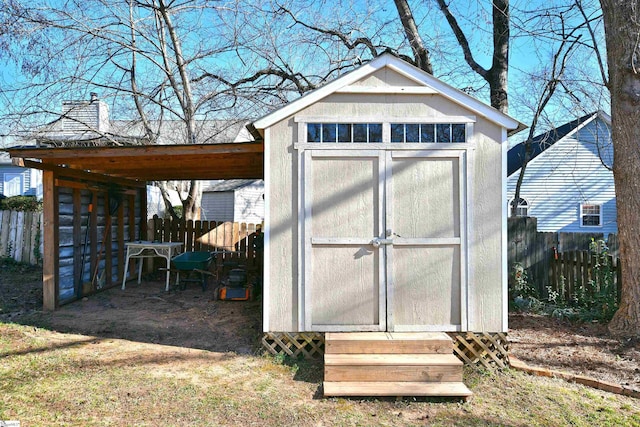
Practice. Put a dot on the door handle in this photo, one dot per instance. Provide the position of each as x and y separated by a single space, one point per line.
376 242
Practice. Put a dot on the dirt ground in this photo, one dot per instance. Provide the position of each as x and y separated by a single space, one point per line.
580 348
191 318
144 313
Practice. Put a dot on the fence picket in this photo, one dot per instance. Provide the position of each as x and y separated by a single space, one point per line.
209 235
20 233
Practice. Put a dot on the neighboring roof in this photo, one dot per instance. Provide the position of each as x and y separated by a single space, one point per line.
152 162
5 159
131 132
515 156
430 85
227 185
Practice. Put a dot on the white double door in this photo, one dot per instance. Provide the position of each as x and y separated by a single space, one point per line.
384 240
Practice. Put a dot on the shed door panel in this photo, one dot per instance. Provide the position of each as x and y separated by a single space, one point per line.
424 273
343 211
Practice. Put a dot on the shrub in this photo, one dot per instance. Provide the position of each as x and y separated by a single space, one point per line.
21 203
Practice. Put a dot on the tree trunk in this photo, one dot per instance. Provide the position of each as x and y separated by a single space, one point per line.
420 52
498 73
191 205
622 32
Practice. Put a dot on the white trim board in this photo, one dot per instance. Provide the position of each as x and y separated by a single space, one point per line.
266 248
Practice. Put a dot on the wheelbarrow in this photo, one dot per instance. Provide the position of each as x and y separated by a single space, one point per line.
192 263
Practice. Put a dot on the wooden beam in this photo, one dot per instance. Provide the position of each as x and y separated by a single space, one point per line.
143 214
120 238
135 151
106 238
121 164
81 174
50 292
88 186
93 235
77 242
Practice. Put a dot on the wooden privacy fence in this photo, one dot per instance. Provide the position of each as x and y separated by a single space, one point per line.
576 272
535 250
241 241
21 236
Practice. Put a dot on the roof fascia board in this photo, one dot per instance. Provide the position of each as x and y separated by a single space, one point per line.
560 141
456 95
316 95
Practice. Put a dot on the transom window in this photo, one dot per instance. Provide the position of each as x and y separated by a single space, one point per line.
344 132
441 133
590 215
409 133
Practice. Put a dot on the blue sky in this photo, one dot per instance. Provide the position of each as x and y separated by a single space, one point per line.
529 54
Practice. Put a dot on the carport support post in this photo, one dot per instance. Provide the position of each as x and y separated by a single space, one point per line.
50 242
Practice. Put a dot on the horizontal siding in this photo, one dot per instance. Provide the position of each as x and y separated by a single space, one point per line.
217 206
66 250
15 170
31 181
249 203
568 174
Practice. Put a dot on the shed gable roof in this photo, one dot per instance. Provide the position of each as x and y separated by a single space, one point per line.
424 84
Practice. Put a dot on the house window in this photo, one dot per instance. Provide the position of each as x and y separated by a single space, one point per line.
522 209
441 133
344 132
12 184
591 215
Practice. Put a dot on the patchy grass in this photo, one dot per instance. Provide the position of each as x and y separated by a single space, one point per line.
48 378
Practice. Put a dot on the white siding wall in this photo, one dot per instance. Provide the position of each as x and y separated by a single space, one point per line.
485 211
568 174
217 206
249 203
31 180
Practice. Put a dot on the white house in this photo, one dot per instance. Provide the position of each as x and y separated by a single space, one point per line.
234 200
18 181
568 184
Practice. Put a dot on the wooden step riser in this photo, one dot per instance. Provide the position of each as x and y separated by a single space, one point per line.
388 342
392 359
454 389
392 364
430 374
388 347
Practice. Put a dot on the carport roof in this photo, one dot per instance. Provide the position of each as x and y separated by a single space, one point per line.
151 162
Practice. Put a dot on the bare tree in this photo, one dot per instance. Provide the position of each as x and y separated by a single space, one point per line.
420 52
568 37
158 62
497 75
622 31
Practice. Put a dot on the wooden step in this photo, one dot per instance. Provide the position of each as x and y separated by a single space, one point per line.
450 389
387 342
392 367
